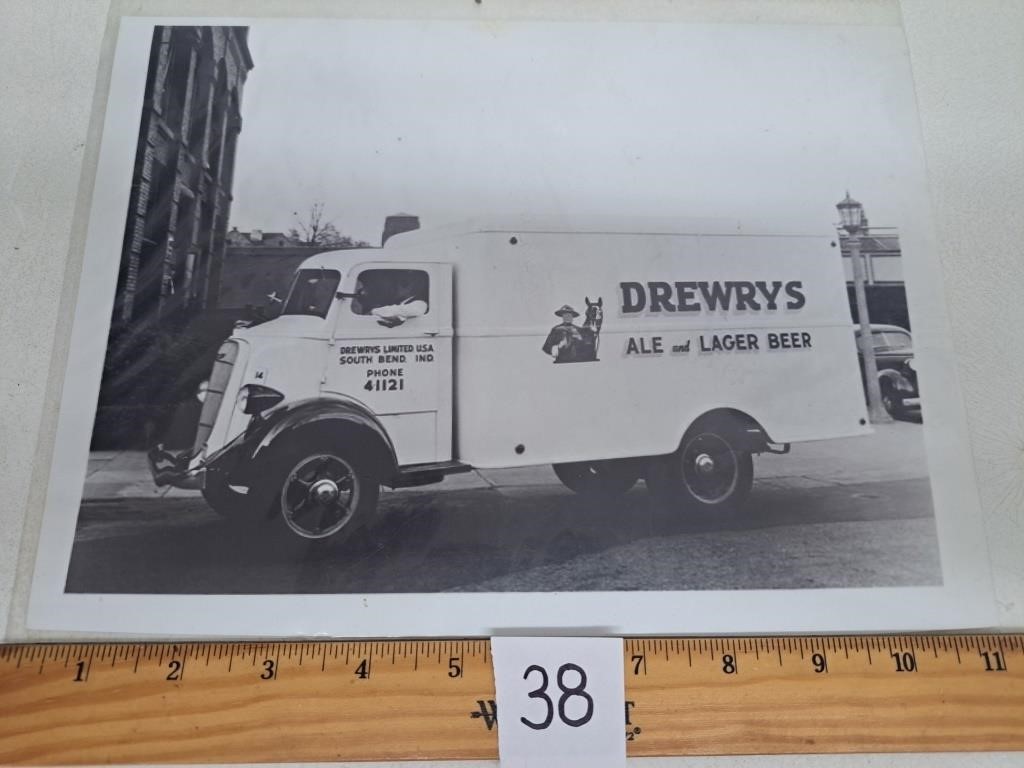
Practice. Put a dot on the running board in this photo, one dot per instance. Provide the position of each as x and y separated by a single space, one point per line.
425 474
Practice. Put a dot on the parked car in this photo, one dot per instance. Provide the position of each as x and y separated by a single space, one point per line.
894 358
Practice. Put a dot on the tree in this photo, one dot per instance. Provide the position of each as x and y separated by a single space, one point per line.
315 230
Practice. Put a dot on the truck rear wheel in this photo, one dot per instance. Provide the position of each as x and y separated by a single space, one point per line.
711 470
597 479
325 489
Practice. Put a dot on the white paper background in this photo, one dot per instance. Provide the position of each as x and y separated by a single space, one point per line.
967 61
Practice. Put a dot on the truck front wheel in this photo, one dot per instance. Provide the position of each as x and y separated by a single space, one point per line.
324 490
598 479
710 471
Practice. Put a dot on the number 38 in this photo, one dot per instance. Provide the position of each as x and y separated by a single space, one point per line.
568 692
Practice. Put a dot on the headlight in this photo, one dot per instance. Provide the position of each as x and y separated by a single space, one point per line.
242 401
204 385
910 364
255 399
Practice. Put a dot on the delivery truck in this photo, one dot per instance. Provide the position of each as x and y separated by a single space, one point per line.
613 355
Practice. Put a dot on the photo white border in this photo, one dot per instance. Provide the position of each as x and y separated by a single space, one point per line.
963 601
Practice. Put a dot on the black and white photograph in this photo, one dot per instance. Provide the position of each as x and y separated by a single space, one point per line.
420 327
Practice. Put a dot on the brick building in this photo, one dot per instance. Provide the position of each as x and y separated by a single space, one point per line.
176 223
184 164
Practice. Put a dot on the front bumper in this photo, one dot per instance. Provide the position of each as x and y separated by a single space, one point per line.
170 468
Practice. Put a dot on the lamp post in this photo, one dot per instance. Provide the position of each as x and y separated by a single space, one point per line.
851 218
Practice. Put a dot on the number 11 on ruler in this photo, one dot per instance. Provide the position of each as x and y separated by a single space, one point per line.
560 701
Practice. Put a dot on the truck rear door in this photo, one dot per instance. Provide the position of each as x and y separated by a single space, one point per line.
392 351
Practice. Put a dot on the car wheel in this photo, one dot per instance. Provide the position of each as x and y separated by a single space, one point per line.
892 402
711 471
597 479
324 490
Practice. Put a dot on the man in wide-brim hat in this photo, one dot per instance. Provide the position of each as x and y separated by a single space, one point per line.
565 338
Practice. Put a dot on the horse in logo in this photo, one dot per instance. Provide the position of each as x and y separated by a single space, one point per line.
593 319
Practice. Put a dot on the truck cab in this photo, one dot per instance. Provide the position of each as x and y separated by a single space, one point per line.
361 347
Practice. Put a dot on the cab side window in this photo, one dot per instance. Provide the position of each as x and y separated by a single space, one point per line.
393 296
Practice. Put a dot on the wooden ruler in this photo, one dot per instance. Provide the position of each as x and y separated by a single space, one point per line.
311 701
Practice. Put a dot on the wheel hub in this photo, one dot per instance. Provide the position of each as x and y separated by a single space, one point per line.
710 468
704 464
324 491
320 495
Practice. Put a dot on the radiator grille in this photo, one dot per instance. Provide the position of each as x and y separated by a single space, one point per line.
219 377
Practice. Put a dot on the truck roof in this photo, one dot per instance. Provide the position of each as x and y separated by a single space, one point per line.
682 227
513 278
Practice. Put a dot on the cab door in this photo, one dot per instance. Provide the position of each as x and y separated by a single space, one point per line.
391 350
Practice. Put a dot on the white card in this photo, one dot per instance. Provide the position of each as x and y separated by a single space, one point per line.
561 701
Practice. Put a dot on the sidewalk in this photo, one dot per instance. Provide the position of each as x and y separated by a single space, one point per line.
893 452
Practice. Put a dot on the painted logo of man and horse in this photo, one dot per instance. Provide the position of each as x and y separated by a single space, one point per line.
571 343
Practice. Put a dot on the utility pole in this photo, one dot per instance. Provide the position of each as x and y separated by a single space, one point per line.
851 215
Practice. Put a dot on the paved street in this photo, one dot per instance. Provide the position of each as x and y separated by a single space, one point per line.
841 513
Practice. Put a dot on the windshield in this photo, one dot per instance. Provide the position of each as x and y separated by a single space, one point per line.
312 292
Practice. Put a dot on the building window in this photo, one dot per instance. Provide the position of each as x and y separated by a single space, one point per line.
176 83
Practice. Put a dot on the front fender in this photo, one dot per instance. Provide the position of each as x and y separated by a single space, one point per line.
246 457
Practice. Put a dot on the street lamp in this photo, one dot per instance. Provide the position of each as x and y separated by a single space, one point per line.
851 218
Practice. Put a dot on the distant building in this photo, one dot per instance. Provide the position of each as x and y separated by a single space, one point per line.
259 265
161 335
258 268
884 285
259 238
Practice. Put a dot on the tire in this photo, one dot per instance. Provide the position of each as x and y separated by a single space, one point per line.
710 472
892 402
322 490
598 479
225 500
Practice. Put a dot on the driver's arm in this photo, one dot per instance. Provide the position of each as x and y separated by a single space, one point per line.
401 312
